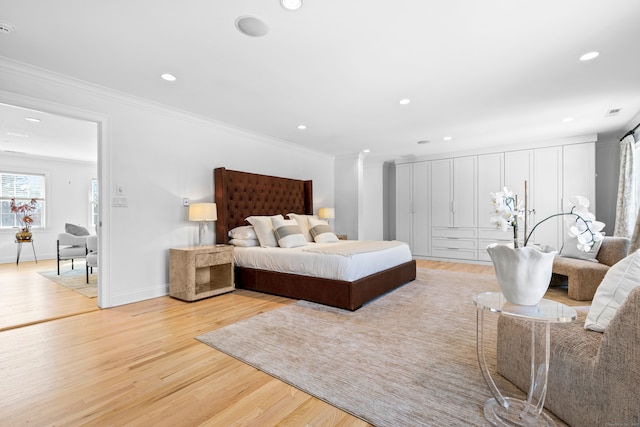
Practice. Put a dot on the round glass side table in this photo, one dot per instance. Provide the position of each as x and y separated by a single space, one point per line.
509 411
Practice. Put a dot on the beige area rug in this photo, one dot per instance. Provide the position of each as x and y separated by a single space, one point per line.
406 359
75 280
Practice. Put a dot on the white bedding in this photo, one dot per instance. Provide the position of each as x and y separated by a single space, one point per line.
302 261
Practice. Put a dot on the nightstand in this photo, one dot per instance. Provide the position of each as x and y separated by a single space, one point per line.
342 236
200 272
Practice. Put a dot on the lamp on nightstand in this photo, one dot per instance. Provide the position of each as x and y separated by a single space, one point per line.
327 213
202 212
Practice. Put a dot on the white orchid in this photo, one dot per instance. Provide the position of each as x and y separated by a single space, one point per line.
580 222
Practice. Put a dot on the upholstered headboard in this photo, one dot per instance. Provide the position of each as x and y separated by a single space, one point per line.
242 194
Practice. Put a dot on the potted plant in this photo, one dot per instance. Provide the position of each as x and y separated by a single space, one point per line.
524 273
24 212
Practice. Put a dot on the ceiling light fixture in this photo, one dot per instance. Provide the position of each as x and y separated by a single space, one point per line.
366 150
168 77
291 4
447 138
251 26
405 101
302 127
589 56
32 119
567 120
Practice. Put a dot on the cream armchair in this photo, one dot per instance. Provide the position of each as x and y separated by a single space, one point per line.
71 247
92 254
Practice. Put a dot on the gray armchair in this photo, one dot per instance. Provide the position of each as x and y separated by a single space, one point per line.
92 254
71 247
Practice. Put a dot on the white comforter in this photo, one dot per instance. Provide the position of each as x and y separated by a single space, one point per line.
309 261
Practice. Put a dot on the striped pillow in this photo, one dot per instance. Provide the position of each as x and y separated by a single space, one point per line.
321 231
288 233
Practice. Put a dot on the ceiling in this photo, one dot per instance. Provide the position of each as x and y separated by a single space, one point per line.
487 73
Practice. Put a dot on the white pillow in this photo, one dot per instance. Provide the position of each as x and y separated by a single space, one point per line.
243 232
288 233
321 231
245 243
264 229
570 250
621 278
303 222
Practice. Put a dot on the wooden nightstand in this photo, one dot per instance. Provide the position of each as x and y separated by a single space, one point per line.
200 272
342 236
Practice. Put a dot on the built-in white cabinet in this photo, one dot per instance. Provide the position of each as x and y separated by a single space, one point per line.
413 205
444 205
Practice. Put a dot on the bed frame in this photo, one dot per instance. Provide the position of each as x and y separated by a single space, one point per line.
242 194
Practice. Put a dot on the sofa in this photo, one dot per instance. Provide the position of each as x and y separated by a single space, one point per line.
582 276
594 378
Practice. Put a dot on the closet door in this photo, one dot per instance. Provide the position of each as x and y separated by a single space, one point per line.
404 203
465 192
442 193
547 196
421 208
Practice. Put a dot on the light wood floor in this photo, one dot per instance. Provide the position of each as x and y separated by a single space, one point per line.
139 364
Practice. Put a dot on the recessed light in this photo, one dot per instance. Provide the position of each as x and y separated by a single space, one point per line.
291 4
447 138
6 28
405 101
589 56
424 141
168 77
251 26
302 127
32 119
567 119
366 150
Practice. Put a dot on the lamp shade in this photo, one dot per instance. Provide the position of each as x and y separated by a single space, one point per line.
203 212
326 213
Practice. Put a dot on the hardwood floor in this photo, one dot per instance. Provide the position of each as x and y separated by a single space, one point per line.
139 364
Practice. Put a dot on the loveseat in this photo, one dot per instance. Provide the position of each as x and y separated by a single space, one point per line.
594 378
583 276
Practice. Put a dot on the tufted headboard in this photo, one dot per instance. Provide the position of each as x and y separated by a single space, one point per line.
242 194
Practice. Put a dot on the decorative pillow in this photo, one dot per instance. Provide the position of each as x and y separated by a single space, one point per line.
621 278
321 231
264 229
303 222
243 232
76 230
246 243
288 233
570 250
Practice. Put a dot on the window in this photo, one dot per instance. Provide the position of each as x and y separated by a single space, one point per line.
94 202
22 187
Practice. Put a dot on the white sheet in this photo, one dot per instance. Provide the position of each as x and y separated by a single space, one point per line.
328 266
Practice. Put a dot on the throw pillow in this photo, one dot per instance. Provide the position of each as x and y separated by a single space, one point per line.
321 231
264 229
621 278
76 230
288 233
303 222
570 250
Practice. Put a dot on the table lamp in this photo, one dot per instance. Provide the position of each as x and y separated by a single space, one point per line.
327 213
202 212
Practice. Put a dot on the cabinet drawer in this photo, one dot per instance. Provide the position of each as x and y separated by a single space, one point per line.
454 253
497 235
469 233
439 242
213 258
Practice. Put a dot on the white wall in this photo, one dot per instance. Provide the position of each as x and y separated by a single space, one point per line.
372 206
348 197
159 156
68 189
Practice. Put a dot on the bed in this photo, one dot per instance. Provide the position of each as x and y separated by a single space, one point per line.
239 195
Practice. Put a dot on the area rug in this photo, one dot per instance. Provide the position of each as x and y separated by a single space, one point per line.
406 359
75 280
